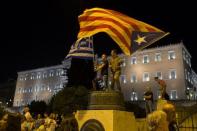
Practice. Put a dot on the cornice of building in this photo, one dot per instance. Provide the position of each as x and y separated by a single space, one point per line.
40 69
159 48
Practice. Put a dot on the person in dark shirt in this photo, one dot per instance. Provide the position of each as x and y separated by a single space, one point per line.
103 67
148 96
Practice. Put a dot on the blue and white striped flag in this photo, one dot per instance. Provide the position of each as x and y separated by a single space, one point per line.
82 49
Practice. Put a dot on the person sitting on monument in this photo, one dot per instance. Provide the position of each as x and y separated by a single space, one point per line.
162 88
114 65
103 68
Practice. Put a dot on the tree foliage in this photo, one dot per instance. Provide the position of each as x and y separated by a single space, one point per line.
69 100
38 107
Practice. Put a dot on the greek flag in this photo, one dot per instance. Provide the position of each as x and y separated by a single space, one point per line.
82 49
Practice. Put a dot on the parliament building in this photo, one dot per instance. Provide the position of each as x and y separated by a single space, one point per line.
172 63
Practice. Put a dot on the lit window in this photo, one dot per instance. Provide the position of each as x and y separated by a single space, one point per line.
158 57
134 96
44 75
38 89
173 95
123 62
189 61
171 55
51 73
123 79
38 76
186 74
109 82
145 59
57 73
133 60
133 78
172 74
146 76
62 72
159 75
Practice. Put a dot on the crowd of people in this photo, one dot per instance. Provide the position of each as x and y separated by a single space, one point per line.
28 123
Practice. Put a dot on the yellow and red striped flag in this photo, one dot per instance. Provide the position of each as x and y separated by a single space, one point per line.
129 33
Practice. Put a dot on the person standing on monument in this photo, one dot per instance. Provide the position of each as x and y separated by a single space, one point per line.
162 88
114 65
148 96
103 67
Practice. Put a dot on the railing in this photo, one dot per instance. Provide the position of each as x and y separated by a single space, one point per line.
187 118
186 112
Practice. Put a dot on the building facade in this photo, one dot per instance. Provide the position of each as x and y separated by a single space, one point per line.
171 63
39 84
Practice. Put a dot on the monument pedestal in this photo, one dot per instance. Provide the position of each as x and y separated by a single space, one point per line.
105 113
105 120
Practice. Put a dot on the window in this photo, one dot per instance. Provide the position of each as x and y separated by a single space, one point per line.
62 72
133 78
146 76
44 75
133 60
172 74
189 61
58 72
171 55
159 75
38 76
173 95
123 62
51 73
145 59
123 79
158 57
186 74
134 96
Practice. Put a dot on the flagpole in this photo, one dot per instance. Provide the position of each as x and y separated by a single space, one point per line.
94 59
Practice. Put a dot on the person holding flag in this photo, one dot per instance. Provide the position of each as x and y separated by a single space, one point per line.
114 65
103 68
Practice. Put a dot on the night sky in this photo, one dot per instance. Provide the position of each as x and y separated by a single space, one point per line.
39 33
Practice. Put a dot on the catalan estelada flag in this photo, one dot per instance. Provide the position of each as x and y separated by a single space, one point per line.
82 49
129 33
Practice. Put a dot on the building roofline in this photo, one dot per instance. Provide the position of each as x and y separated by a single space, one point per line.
181 44
40 69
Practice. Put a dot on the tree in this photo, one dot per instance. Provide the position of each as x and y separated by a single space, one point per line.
38 107
69 100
